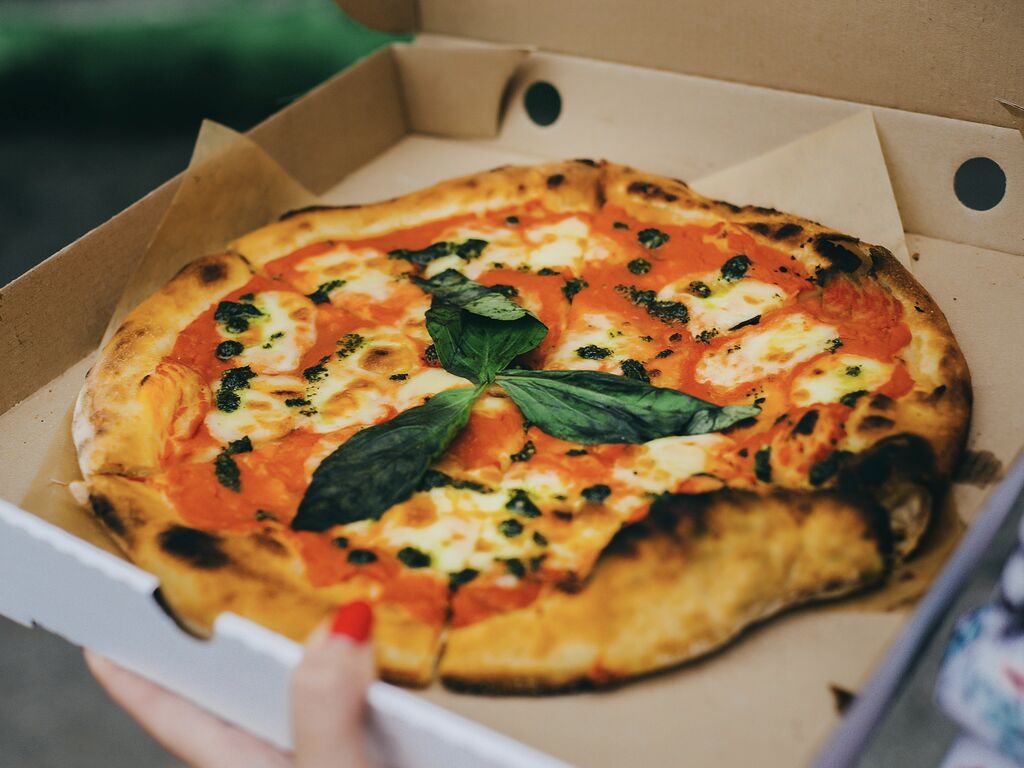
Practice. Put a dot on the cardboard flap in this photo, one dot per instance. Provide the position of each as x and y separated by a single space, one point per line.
941 57
857 199
456 91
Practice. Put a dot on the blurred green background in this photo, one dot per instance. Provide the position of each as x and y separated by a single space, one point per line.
100 102
101 99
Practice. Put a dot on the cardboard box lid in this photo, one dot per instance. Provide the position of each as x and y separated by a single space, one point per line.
941 57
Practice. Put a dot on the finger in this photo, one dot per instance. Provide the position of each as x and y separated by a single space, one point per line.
329 692
184 729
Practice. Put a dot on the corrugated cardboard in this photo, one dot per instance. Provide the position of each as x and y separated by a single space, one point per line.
350 138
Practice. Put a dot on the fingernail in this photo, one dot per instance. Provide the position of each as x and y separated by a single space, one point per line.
354 621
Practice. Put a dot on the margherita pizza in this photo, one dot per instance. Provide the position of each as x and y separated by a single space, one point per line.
560 425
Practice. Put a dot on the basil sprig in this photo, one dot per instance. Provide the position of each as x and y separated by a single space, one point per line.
590 407
382 465
477 332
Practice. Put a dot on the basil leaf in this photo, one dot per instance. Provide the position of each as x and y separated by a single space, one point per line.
456 289
478 348
590 407
382 465
476 330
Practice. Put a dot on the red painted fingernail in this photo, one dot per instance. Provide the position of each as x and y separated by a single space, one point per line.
354 621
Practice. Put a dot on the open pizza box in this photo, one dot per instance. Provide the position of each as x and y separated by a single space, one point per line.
409 116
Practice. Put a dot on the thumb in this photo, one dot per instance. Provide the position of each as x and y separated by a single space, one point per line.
328 691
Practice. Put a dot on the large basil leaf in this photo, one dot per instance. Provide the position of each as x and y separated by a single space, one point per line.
591 407
476 330
382 465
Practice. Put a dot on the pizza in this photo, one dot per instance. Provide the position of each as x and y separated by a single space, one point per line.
561 425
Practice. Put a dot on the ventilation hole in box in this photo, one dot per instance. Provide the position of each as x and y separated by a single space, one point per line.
543 103
979 183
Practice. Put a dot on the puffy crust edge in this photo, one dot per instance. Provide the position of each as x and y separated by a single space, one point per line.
258 575
563 186
113 430
675 588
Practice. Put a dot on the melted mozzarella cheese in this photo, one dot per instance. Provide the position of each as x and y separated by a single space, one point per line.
275 341
605 330
729 304
559 244
504 247
449 532
261 414
385 374
365 271
838 375
788 341
424 384
661 465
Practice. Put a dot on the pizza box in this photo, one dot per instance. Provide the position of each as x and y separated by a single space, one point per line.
772 115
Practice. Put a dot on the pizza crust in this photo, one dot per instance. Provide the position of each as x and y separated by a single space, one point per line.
565 186
678 586
257 575
115 428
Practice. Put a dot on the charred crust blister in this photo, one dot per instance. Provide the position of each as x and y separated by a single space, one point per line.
839 256
787 231
212 272
870 423
555 180
197 548
650 191
105 511
310 209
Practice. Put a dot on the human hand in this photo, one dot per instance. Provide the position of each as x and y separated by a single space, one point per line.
328 702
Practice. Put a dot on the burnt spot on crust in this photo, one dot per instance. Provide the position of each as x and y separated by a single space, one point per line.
105 511
730 206
211 273
882 402
937 393
197 548
879 257
311 209
838 256
870 423
650 191
881 480
586 161
555 180
787 231
762 209
760 227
